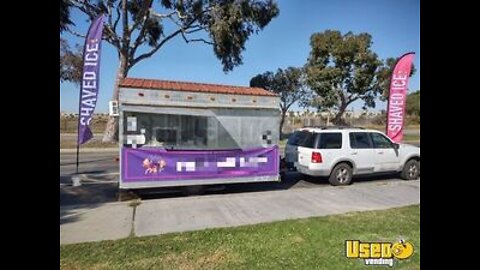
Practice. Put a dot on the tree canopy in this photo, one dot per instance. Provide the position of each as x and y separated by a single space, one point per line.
71 63
65 14
288 84
413 103
342 69
134 24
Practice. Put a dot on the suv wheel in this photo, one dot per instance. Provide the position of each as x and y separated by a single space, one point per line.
411 170
341 175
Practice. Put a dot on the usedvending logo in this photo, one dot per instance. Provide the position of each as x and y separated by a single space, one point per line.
378 253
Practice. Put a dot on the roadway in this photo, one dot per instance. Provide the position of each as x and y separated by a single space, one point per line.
103 167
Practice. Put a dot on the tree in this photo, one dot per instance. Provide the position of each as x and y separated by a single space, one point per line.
413 103
342 69
287 83
65 14
137 31
71 63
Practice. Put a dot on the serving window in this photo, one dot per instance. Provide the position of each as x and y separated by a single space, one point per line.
173 131
214 130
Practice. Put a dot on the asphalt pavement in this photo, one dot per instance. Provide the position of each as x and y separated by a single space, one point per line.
100 184
92 212
97 162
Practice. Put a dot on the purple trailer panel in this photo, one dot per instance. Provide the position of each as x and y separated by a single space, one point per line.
155 164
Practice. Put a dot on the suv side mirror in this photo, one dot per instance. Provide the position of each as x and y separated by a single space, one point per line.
396 145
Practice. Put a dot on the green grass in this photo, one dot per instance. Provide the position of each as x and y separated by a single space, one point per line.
93 143
312 243
411 137
70 125
382 127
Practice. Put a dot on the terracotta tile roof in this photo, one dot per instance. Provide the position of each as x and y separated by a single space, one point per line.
194 87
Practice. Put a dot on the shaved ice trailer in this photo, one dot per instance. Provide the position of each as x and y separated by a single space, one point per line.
174 134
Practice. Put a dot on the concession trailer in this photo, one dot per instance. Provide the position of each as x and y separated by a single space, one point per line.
174 134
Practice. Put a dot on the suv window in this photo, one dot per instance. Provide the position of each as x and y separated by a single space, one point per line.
298 137
379 141
310 140
360 140
330 140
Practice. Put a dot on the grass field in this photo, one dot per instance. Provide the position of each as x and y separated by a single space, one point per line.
94 143
70 125
312 243
411 138
382 127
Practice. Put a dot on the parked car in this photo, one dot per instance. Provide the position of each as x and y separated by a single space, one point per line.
342 152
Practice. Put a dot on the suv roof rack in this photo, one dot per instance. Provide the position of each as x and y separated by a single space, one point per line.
333 127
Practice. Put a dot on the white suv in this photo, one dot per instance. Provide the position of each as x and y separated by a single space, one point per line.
341 152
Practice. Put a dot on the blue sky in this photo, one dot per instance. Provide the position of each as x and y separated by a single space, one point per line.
394 26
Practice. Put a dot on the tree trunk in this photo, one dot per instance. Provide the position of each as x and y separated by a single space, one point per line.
338 120
282 120
111 130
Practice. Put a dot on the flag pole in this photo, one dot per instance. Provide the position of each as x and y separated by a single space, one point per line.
75 178
78 150
78 145
78 128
